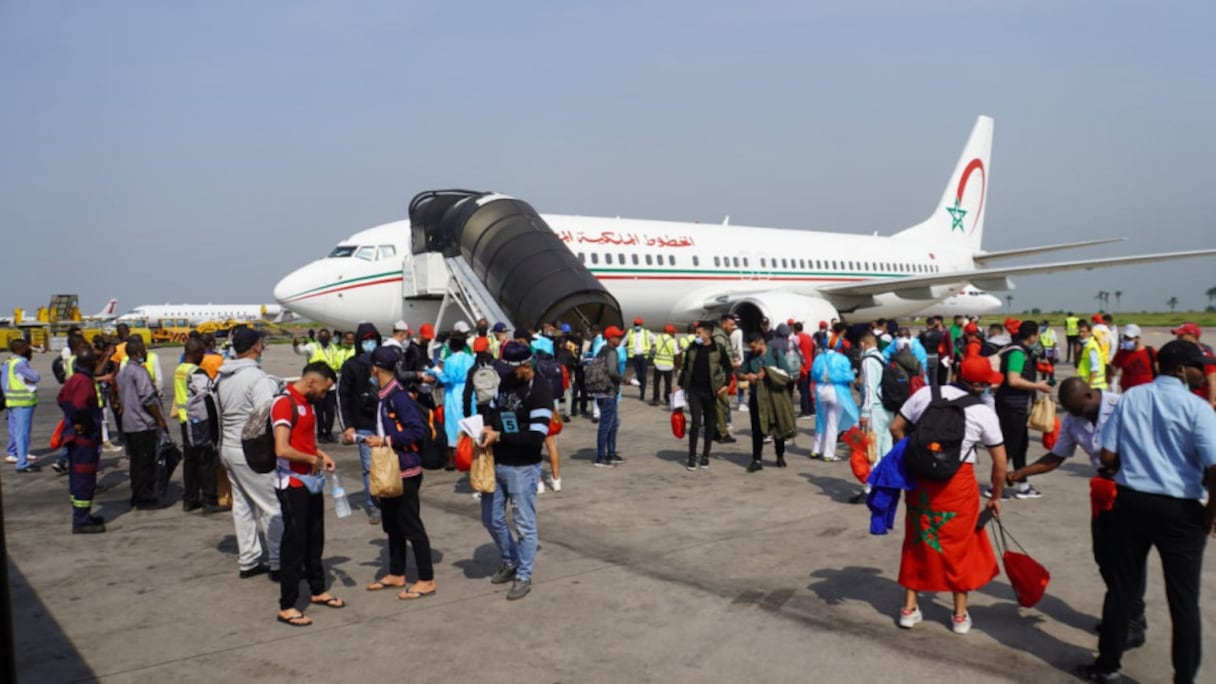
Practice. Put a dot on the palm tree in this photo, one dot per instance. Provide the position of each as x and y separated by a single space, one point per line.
1172 303
1211 293
1009 303
1118 295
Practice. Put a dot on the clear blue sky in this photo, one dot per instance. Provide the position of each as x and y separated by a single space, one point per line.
197 151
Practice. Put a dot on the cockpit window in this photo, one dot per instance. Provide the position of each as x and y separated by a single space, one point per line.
342 251
367 253
387 251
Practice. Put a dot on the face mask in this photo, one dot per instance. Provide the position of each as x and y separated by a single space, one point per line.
375 380
323 341
700 340
637 328
1042 329
1128 345
369 346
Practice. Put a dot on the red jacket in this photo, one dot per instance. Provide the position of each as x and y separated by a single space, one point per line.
806 346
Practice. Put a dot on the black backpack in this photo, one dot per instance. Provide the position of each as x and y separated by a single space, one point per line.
550 369
895 386
59 370
433 449
934 450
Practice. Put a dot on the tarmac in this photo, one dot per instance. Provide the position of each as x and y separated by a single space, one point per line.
646 573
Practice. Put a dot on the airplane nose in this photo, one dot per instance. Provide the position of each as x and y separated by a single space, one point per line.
293 291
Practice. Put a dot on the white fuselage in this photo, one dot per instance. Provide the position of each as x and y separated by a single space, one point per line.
659 270
201 313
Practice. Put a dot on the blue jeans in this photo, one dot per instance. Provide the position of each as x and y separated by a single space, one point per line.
365 455
517 483
610 422
19 422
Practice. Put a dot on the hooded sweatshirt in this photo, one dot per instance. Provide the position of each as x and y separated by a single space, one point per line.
243 386
357 394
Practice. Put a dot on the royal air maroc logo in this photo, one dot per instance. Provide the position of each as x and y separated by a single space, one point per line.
957 213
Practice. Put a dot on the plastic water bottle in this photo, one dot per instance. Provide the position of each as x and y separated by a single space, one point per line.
341 504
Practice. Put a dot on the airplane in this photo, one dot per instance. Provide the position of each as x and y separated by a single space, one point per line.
107 313
201 313
969 301
672 272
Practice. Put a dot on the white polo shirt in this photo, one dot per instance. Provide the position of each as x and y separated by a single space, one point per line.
1079 432
982 424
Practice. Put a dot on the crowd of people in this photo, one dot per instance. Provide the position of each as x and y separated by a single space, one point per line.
929 401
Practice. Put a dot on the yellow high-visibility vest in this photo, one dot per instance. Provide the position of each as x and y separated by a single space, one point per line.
1048 339
665 351
630 337
181 388
149 363
18 395
1094 376
1070 326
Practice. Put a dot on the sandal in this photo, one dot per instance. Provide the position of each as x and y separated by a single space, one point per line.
328 601
410 595
380 585
297 620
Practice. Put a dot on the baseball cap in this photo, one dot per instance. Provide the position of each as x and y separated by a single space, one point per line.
426 331
385 357
789 322
1187 329
971 329
1183 353
243 339
613 331
1012 324
823 325
461 327
499 327
1096 318
1131 330
401 326
566 329
978 369
637 321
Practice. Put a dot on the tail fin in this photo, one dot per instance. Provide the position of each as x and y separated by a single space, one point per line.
958 218
110 310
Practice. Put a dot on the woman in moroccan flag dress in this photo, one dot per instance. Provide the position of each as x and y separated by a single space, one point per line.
943 550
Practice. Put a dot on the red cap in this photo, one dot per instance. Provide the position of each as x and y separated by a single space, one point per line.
637 321
823 325
971 329
789 322
613 331
978 369
481 344
1012 324
1187 329
1096 318
426 331
669 329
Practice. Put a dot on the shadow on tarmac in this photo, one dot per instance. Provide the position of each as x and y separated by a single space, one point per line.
44 652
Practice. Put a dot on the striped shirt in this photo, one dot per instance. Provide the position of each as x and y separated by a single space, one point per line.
521 414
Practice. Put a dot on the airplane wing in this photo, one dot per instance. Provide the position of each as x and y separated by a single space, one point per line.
916 287
985 257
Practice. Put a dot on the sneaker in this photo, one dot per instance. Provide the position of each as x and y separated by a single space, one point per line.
616 458
768 439
540 486
595 419
604 463
505 574
373 518
755 465
112 447
691 466
556 484
31 468
89 528
729 439
961 623
519 589
31 458
743 407
1028 493
909 618
1006 493
704 463
60 467
831 458
259 569
1091 673
10 459
858 497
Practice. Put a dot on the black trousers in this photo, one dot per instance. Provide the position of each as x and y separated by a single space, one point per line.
639 372
401 519
1017 437
805 399
325 409
581 396
1103 533
757 435
199 473
665 376
702 410
141 452
1176 527
303 544
1073 340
